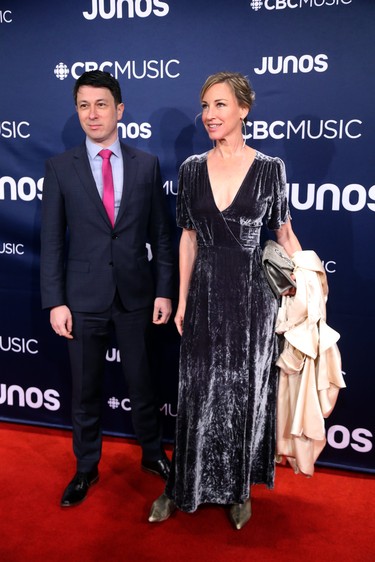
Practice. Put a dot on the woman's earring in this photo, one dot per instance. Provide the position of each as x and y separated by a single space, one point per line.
244 132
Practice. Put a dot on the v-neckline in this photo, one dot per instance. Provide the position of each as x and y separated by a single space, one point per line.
238 190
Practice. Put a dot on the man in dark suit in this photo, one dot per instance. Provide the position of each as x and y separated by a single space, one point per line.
96 275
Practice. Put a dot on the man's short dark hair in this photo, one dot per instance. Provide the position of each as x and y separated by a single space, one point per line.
99 79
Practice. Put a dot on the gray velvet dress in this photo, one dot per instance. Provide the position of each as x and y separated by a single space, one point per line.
225 427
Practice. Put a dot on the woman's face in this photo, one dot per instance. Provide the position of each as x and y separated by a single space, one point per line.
221 114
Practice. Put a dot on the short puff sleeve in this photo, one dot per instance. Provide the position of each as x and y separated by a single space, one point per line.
279 212
183 216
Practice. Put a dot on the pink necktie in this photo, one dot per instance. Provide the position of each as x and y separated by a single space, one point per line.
108 190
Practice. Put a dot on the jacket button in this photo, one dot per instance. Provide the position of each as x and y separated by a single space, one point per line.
114 236
110 263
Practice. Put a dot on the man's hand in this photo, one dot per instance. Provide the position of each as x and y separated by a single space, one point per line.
162 310
61 321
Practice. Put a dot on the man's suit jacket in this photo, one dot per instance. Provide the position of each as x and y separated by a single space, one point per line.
83 259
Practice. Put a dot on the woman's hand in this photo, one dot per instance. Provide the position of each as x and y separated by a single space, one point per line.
292 291
179 318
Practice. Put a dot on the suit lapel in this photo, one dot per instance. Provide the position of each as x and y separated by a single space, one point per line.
82 166
130 163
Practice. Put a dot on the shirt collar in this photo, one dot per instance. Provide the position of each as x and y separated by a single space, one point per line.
94 149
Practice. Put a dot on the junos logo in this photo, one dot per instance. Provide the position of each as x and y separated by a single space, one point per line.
284 4
14 129
11 248
360 439
25 188
134 130
113 355
5 16
305 129
18 345
354 197
115 403
291 63
114 8
130 69
32 397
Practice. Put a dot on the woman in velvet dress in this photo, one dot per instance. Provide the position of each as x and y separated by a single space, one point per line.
225 429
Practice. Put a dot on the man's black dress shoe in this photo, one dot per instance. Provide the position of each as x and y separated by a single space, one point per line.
160 467
77 489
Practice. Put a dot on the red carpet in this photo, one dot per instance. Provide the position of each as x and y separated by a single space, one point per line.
329 517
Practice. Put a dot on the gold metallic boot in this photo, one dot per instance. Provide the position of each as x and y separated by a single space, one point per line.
161 509
240 513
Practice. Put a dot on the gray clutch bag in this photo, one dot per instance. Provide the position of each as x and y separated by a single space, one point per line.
278 267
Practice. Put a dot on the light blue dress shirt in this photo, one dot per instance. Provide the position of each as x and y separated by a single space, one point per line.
117 168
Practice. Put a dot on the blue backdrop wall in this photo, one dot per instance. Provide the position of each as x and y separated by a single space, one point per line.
311 65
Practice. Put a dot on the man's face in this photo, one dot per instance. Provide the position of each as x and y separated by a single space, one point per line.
98 114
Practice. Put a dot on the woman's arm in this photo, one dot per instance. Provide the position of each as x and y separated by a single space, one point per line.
286 238
188 253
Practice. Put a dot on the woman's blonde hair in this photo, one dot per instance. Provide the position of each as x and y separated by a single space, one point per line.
238 82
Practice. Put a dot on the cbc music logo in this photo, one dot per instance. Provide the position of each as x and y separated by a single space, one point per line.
305 129
170 187
32 397
329 266
61 71
14 129
139 8
293 64
18 345
256 5
131 69
5 16
12 249
114 403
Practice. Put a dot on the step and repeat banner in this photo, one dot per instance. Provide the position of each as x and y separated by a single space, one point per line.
311 65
